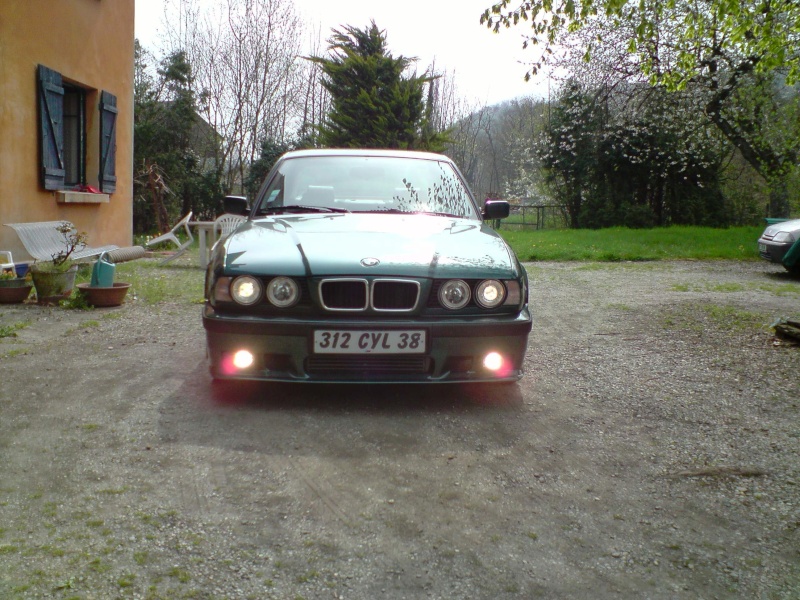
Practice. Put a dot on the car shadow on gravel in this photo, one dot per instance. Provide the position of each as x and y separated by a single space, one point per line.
378 398
783 277
339 420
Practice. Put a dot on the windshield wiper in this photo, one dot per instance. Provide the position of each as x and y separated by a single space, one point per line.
299 208
440 214
391 211
397 211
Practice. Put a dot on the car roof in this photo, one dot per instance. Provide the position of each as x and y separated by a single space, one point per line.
366 152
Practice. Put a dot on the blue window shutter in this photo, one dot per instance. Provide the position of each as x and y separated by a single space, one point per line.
108 142
51 128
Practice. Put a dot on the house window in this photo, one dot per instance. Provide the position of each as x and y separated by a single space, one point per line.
74 136
62 134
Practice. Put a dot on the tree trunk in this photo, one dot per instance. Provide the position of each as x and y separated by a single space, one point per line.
778 198
767 162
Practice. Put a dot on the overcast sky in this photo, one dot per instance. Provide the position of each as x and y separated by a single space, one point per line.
487 67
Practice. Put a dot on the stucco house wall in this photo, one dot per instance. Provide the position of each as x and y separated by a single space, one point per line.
90 44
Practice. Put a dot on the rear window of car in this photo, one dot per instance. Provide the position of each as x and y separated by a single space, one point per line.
370 184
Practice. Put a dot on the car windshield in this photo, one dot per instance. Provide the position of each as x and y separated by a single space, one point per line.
380 184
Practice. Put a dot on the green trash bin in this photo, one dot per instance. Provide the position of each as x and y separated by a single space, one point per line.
791 260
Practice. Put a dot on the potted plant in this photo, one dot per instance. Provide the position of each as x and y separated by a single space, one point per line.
55 279
13 289
102 290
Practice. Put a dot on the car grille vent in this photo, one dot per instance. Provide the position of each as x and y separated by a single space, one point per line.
344 294
382 295
394 295
368 366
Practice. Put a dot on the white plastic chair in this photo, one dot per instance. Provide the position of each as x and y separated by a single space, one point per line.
171 237
225 224
7 263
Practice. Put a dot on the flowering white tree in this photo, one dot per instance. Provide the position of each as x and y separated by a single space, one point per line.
632 157
677 41
735 56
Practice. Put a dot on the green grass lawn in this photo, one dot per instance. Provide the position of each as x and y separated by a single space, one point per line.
155 284
621 244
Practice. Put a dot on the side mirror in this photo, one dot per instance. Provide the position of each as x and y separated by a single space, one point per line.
236 205
496 209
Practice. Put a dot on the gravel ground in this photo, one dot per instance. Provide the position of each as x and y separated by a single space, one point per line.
651 451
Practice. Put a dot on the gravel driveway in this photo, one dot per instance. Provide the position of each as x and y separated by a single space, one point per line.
651 451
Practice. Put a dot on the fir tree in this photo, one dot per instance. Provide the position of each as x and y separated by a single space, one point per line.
373 105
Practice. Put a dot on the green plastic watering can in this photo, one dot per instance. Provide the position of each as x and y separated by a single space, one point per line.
103 273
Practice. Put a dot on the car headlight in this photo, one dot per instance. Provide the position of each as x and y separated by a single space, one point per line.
490 293
783 236
283 292
454 294
246 290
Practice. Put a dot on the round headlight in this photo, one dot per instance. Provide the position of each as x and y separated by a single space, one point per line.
246 290
283 292
490 293
454 294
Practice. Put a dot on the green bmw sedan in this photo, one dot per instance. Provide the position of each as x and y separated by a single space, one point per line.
366 266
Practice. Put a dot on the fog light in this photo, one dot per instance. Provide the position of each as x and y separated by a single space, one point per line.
243 359
493 361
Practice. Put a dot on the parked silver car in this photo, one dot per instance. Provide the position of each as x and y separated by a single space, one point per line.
779 243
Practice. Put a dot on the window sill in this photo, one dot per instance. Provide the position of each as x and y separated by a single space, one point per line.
64 197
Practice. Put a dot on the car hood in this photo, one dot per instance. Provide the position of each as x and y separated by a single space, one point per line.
349 244
790 226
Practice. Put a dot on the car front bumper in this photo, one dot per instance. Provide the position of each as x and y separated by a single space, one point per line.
773 251
283 350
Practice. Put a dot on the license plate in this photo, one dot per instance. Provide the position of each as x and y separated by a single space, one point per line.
369 341
762 247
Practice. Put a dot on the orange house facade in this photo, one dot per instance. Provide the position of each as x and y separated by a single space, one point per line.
66 117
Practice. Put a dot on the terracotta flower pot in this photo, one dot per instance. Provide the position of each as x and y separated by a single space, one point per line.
104 296
14 291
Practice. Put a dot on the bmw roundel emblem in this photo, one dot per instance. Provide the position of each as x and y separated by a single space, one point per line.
370 262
